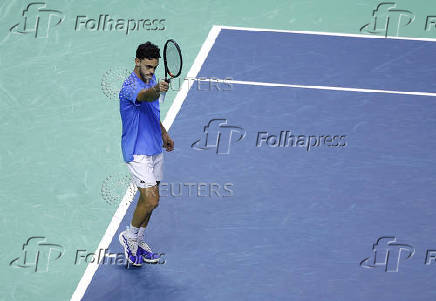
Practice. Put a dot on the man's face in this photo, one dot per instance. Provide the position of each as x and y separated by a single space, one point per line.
146 67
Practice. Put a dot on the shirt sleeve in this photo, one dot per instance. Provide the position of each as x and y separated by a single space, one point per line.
130 91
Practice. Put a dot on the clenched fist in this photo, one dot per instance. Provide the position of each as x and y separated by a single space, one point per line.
163 86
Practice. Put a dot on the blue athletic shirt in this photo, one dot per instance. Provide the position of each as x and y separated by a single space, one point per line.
140 120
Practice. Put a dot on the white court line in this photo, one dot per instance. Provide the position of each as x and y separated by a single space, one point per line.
324 33
127 200
105 241
240 82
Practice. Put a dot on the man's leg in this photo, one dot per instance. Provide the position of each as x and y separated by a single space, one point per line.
143 174
147 217
147 202
134 247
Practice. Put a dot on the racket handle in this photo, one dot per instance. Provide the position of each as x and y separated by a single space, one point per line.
162 97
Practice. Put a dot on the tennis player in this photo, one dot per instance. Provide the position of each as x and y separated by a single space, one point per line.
143 137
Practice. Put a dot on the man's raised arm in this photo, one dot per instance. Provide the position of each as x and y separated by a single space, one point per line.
151 94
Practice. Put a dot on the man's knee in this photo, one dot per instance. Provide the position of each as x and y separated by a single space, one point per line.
155 204
152 203
150 196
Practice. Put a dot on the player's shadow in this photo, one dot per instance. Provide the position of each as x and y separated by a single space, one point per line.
159 286
115 282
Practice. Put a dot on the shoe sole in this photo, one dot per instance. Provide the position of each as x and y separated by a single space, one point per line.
150 260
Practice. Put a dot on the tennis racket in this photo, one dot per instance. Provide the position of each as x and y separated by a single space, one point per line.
172 62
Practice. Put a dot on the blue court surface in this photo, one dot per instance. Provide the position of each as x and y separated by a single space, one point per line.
306 193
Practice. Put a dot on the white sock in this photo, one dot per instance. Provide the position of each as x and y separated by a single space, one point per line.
141 233
132 231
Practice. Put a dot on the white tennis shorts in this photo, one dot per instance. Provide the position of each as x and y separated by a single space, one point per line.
146 170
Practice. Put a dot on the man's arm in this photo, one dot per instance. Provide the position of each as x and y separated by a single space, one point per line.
164 131
149 94
168 143
152 93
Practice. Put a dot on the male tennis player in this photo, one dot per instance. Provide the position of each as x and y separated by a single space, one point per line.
141 143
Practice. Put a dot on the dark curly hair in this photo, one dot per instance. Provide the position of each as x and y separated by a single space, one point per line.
148 51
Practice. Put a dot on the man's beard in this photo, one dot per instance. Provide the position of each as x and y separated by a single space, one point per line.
144 77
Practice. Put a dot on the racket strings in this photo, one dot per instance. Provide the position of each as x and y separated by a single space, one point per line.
174 60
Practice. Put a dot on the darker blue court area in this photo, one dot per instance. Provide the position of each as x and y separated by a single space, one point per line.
306 59
285 221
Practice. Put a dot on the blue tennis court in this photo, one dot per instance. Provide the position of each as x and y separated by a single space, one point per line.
313 171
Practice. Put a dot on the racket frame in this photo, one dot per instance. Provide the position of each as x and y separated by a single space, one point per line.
167 72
